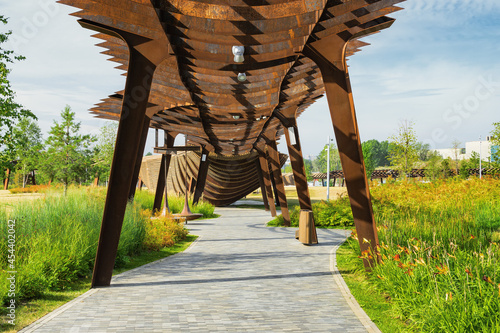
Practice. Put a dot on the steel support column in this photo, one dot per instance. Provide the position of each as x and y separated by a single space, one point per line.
266 175
163 173
135 102
202 176
329 55
263 190
297 161
278 179
138 160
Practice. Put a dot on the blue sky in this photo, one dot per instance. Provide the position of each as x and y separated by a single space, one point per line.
436 66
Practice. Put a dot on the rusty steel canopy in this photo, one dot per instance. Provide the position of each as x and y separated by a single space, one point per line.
233 76
196 91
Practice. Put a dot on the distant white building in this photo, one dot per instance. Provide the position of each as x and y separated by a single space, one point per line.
466 153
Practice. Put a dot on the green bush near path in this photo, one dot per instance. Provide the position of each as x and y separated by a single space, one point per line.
327 214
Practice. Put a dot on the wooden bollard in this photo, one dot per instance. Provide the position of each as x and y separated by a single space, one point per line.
307 230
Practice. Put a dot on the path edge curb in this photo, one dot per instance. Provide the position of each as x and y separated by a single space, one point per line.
370 326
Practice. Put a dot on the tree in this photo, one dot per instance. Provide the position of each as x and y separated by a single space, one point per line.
369 150
10 111
105 149
423 150
320 163
403 151
495 140
68 152
27 146
456 152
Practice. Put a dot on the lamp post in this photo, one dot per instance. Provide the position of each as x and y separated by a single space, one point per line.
328 170
480 157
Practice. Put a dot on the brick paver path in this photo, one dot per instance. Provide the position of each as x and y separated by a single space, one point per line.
240 276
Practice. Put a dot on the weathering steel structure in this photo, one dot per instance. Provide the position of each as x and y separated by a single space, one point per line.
233 75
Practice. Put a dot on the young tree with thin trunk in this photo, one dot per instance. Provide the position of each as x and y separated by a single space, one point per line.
27 146
68 152
403 151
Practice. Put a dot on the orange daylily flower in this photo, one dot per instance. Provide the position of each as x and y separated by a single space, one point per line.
397 257
487 279
443 269
420 261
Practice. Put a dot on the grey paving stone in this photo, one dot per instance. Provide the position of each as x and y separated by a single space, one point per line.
239 277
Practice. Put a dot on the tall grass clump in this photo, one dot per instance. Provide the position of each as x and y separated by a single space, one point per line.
56 240
145 200
439 248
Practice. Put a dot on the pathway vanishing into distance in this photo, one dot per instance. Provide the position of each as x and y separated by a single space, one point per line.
240 276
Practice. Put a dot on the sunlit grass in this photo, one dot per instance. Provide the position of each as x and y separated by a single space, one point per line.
439 254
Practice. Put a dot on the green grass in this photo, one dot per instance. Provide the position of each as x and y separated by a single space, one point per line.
56 241
145 200
374 302
439 249
32 310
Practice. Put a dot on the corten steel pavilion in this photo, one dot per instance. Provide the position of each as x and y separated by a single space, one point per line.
232 75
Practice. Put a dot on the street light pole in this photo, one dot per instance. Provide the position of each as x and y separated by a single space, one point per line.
480 157
328 170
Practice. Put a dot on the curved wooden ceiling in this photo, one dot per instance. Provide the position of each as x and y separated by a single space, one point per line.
197 91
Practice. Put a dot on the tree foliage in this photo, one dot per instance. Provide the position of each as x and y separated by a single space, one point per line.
403 151
495 140
68 154
375 154
320 163
105 149
27 145
10 111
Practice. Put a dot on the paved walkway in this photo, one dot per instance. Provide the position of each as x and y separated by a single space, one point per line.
240 276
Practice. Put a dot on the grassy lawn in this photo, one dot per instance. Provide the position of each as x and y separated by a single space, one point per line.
374 302
31 311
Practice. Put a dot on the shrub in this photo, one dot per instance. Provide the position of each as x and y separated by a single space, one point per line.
30 189
327 214
163 232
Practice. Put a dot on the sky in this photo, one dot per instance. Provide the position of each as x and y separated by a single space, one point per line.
437 66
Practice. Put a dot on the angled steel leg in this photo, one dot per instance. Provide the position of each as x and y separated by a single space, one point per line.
278 179
262 184
329 55
298 167
202 176
138 161
162 175
264 166
130 128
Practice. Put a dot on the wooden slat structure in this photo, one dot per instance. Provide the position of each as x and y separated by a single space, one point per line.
185 74
224 185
